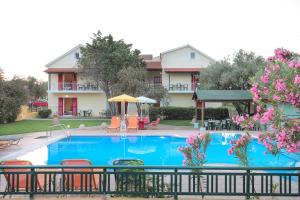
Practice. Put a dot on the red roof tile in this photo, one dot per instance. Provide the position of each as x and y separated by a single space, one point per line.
153 65
183 69
58 70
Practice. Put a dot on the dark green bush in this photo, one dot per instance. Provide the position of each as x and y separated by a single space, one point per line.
154 112
45 113
181 113
12 96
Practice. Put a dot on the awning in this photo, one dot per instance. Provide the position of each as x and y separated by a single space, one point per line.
183 69
60 70
223 95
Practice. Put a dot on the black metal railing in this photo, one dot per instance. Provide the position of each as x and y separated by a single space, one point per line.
147 181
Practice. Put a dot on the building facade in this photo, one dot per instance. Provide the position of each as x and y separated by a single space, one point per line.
177 70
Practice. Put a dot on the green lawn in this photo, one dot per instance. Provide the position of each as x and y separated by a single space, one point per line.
28 126
177 122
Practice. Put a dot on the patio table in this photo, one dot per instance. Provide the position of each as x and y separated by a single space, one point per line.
141 125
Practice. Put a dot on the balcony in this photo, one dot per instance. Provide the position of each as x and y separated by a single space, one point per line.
178 87
74 88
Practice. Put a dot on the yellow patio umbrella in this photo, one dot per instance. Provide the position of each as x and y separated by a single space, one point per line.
123 98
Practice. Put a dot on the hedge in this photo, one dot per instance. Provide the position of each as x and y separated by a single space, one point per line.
181 113
45 113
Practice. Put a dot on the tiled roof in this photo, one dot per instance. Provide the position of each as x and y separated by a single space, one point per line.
153 65
58 70
183 69
224 95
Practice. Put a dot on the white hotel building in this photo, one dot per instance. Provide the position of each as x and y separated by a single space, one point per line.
175 69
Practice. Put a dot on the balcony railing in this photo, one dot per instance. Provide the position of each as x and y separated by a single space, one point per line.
80 87
178 87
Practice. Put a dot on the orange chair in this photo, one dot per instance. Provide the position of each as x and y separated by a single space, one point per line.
156 122
20 182
78 180
115 123
133 123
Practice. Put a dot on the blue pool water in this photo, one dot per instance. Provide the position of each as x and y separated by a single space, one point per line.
155 150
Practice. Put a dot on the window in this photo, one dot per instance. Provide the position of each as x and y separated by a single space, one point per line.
192 55
77 55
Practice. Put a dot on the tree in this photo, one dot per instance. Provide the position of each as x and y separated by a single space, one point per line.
277 85
114 66
224 75
12 96
36 89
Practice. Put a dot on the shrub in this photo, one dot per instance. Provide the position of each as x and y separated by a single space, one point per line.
154 112
45 113
181 113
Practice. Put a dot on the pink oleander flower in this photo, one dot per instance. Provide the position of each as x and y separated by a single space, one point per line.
280 85
265 78
256 117
297 79
230 151
276 98
258 109
281 54
254 91
294 64
265 90
267 116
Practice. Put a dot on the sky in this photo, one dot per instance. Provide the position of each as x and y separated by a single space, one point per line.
35 32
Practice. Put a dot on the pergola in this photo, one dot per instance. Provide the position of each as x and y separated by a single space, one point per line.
222 96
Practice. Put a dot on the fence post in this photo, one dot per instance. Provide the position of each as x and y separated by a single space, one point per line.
248 185
104 181
175 186
32 178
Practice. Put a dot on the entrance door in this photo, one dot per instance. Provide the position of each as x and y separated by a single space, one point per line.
60 106
68 106
74 106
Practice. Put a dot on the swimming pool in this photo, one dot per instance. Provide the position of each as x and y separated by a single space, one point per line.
154 150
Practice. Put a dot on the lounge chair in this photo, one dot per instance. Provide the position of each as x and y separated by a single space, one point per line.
115 123
133 123
155 123
6 141
80 178
20 182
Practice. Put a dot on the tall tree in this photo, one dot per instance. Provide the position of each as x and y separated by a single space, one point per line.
36 89
236 75
114 66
